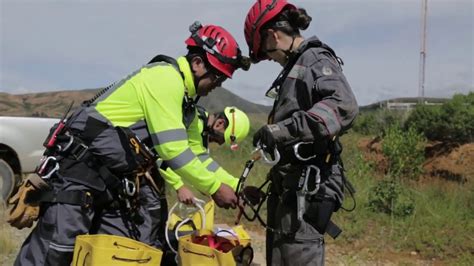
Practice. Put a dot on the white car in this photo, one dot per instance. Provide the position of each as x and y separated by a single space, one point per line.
21 148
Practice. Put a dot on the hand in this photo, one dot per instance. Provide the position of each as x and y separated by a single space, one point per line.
266 138
225 197
185 195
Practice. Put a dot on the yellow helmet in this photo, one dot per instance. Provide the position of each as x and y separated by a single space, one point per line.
238 128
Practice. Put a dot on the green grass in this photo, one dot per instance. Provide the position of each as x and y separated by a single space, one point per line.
441 228
8 244
444 226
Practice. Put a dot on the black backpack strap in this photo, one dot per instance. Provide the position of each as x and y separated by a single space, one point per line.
167 59
333 230
205 132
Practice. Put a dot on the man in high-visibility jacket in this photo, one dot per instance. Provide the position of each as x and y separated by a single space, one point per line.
230 127
92 166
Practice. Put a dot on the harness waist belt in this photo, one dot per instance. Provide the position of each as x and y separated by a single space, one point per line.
73 197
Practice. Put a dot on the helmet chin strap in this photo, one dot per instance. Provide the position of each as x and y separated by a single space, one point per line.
289 52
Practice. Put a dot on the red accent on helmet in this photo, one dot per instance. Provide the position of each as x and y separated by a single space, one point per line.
221 48
259 14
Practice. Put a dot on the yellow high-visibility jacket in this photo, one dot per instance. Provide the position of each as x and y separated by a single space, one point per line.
154 94
197 146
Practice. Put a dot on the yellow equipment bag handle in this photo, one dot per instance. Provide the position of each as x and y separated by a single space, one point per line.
193 218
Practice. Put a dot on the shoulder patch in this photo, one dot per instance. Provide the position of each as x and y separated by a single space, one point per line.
297 72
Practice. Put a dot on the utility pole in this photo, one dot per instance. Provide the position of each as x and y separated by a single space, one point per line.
421 81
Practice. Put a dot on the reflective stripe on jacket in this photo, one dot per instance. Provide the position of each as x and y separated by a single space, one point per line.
196 143
153 94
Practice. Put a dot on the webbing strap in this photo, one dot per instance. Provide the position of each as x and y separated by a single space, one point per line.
72 197
205 132
111 181
167 59
333 230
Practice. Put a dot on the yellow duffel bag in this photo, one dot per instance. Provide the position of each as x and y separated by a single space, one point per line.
113 250
208 248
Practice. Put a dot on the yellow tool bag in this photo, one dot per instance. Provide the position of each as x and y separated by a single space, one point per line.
189 219
113 250
226 247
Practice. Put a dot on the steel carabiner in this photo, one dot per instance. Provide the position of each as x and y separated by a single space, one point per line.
317 180
276 154
297 154
129 187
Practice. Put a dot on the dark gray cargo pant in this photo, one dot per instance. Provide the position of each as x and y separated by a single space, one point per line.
306 247
52 240
294 242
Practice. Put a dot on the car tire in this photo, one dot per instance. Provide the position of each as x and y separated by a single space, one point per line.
7 180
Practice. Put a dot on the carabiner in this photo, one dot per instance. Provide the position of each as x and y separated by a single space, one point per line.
68 145
317 180
276 154
44 164
129 187
56 168
297 154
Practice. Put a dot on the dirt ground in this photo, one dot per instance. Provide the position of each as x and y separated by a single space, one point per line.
335 255
454 162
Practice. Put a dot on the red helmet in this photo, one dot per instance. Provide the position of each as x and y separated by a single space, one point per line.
222 50
259 14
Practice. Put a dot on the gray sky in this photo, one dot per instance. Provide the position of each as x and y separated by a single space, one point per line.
51 45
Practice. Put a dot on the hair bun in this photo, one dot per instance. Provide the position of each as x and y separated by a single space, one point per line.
303 19
299 18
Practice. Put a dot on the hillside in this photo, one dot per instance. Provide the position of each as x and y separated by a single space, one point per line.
54 104
221 98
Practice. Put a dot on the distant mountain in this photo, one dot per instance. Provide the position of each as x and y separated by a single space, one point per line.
44 104
220 98
54 104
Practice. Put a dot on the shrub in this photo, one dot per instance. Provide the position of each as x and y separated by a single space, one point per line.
450 122
387 196
376 122
404 151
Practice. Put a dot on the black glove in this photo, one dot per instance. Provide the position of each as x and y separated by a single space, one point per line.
266 138
252 195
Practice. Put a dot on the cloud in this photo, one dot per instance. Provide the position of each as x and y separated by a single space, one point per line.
50 45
